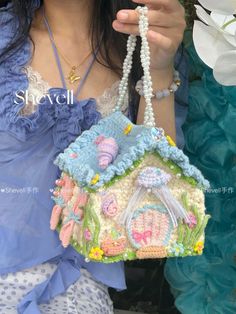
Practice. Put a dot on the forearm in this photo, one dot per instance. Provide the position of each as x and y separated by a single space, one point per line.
164 108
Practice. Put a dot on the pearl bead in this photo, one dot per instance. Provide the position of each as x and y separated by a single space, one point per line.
145 86
166 92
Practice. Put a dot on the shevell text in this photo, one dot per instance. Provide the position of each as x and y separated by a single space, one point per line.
26 98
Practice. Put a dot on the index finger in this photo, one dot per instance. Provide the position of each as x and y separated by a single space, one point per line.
170 5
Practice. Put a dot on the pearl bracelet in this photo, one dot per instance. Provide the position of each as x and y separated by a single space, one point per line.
161 93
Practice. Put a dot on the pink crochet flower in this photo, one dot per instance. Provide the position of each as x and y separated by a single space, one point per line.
193 220
87 235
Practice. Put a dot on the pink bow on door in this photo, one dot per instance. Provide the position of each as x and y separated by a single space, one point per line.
142 236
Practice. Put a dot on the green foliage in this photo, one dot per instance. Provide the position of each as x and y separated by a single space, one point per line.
91 222
187 236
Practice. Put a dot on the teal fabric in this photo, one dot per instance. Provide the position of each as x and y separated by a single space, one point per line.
207 284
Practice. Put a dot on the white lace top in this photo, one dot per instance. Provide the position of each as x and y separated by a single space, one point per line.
38 88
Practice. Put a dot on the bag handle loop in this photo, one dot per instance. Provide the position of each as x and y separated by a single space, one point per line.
149 118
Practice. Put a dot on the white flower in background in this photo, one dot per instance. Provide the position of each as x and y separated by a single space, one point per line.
215 38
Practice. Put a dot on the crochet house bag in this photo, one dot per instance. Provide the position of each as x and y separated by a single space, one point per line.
126 191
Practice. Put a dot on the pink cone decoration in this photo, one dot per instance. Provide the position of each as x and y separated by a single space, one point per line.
76 213
66 233
107 151
81 200
55 217
67 189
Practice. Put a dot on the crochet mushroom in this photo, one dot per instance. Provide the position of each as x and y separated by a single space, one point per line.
154 180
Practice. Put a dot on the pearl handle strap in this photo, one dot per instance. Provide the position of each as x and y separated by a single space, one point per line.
149 118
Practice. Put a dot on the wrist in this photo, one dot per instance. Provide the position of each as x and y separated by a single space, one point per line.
161 78
169 79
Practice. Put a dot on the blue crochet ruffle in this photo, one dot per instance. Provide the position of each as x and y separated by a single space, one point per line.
67 119
132 147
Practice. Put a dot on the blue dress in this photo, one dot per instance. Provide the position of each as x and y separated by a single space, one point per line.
28 147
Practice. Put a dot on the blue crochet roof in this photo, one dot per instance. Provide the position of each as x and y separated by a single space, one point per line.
81 162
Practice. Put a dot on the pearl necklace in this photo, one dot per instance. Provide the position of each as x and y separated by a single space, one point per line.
149 118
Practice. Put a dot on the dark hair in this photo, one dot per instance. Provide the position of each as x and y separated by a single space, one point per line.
102 33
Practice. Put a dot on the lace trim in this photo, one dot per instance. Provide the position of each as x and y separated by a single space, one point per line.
38 87
107 101
36 90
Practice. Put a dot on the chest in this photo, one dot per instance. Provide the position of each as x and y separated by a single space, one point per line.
71 53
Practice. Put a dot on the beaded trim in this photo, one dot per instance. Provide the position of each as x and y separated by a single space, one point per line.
159 94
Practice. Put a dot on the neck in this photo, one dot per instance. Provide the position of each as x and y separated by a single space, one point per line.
68 18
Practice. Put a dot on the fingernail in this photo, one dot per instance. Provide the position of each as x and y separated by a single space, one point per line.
123 16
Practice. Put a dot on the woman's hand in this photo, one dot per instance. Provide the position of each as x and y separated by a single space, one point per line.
167 24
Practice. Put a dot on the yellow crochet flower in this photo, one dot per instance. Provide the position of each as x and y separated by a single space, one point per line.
128 129
198 248
170 141
95 179
96 253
